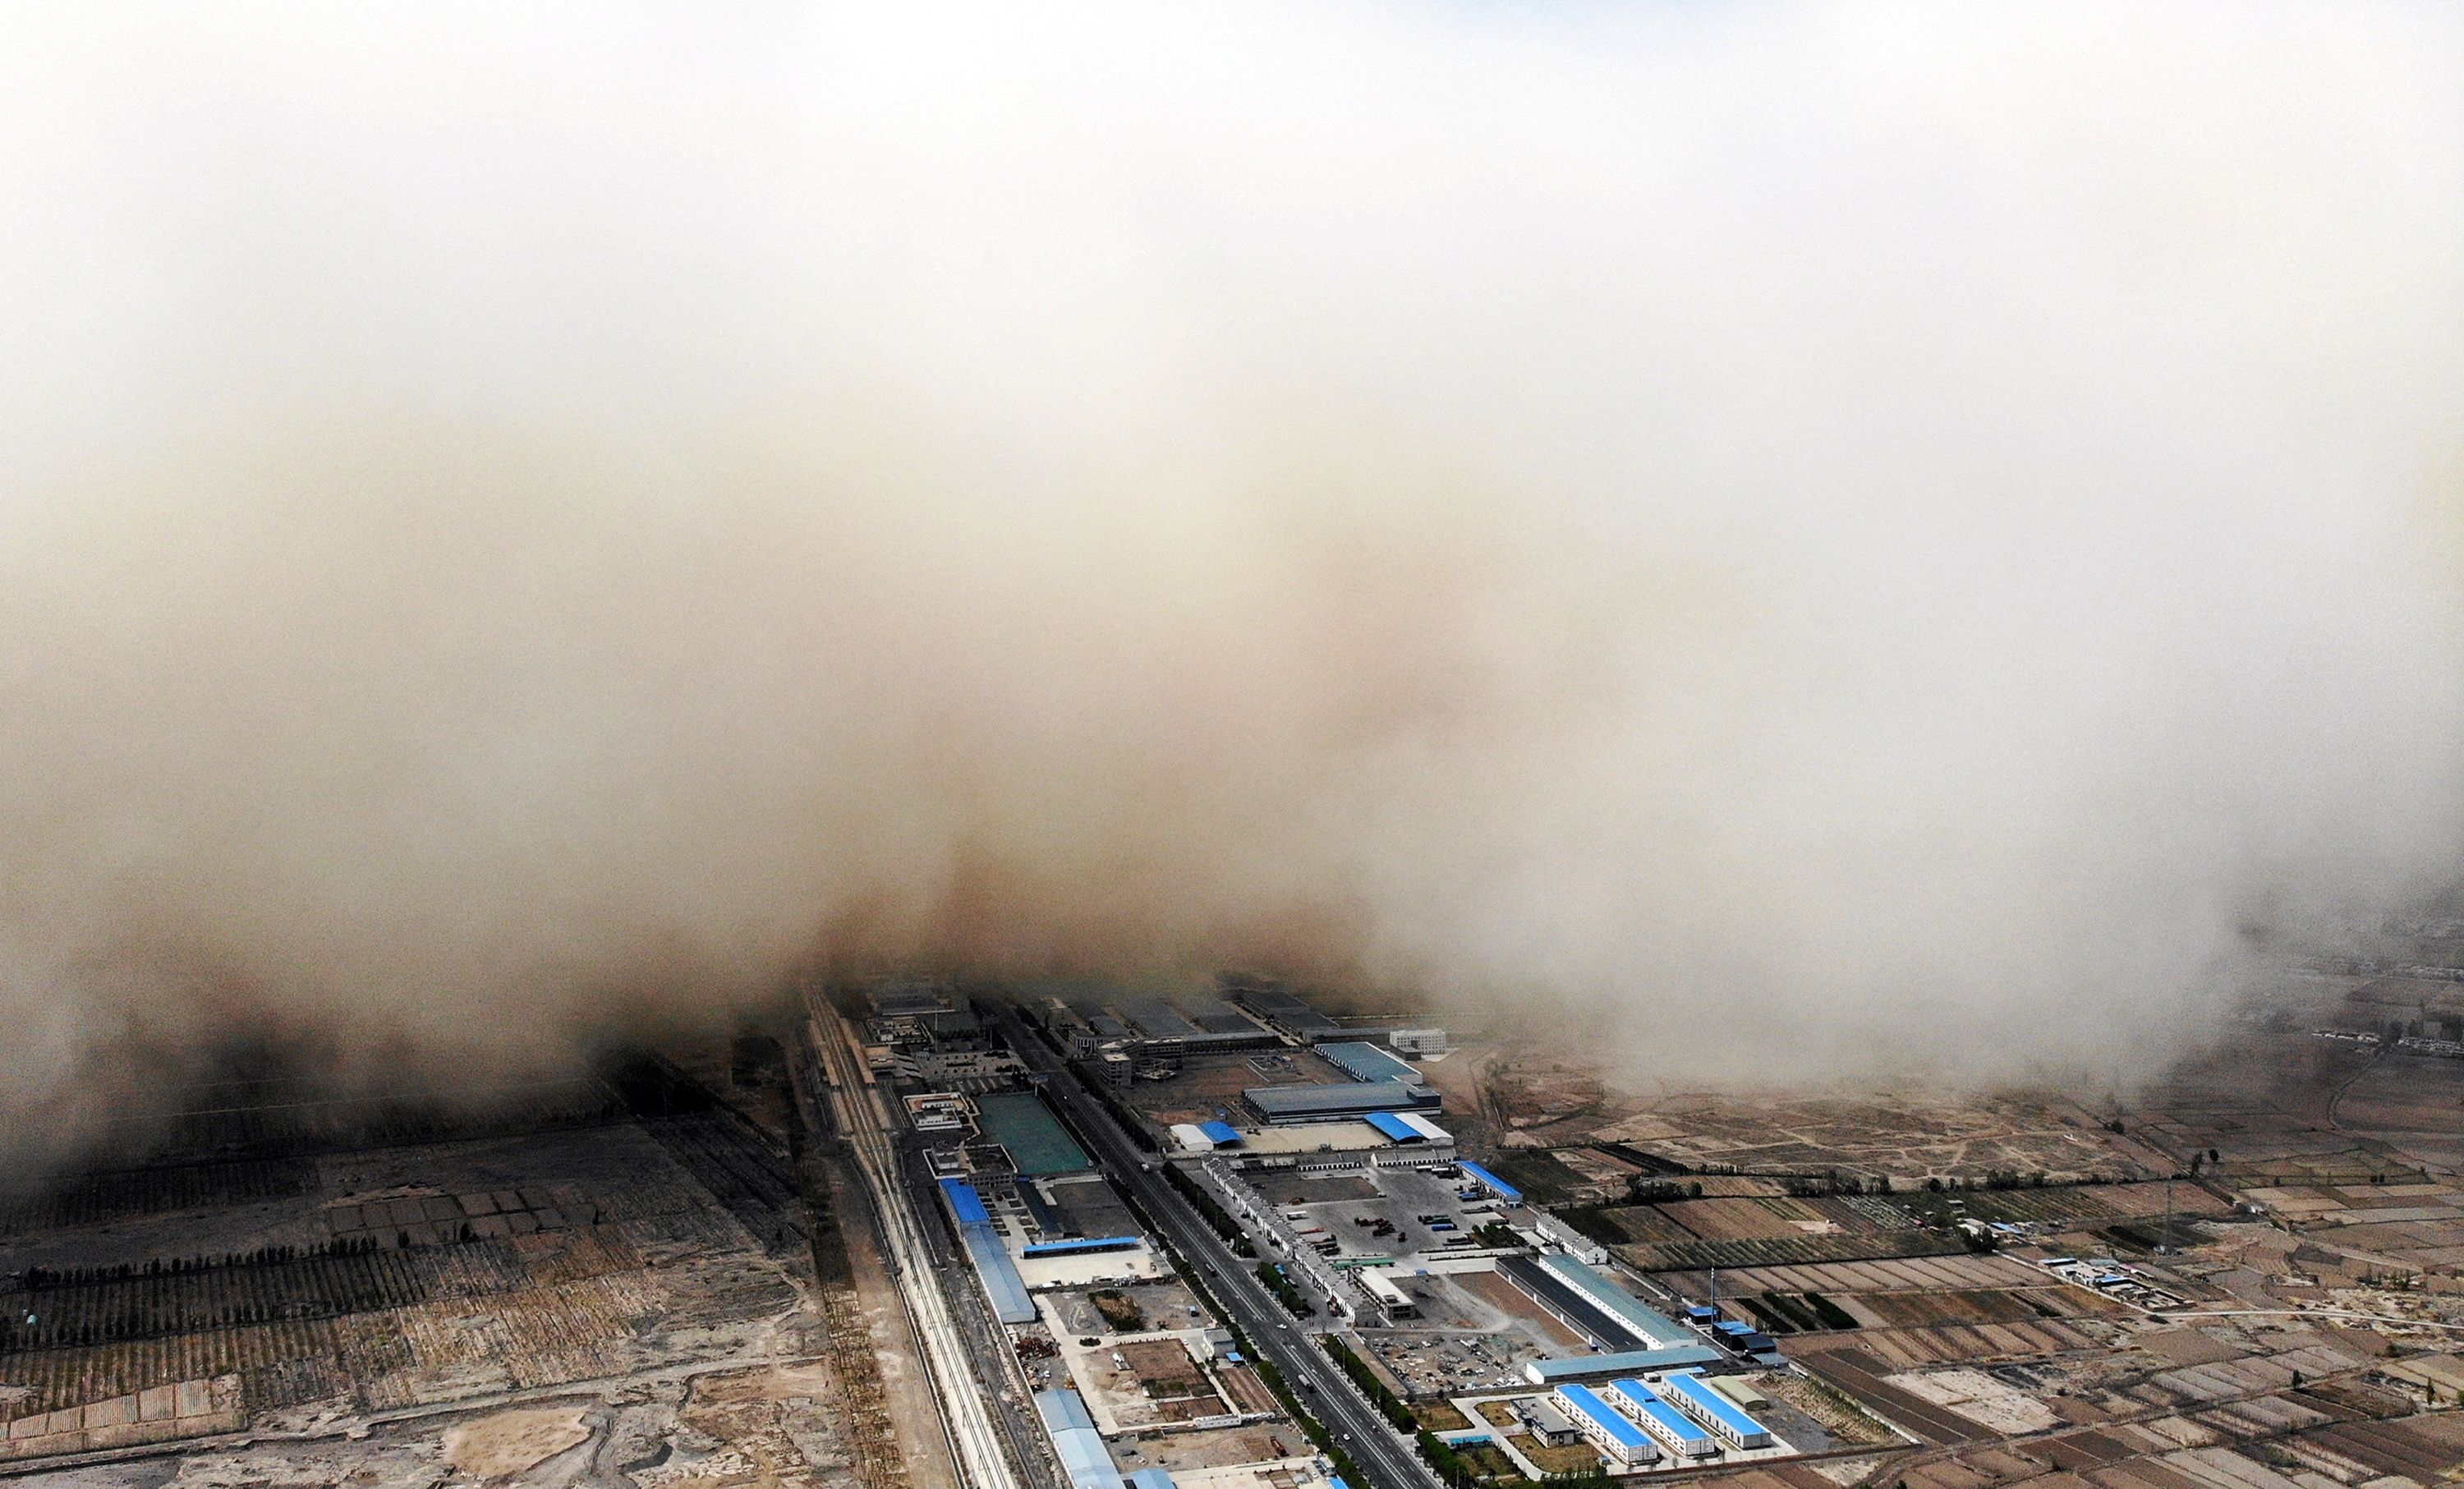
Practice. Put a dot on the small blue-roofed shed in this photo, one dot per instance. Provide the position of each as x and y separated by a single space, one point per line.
1491 1183
1220 1133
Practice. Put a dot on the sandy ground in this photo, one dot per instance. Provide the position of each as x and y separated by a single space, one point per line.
509 1442
902 1374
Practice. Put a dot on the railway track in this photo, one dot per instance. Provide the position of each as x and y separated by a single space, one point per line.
974 1442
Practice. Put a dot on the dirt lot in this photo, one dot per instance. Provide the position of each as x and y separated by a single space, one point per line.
1573 1458
1219 1448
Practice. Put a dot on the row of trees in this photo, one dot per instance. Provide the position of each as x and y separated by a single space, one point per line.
1452 1468
1280 1285
177 1266
1215 1214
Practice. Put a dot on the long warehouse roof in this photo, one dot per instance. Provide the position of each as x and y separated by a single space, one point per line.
1698 1391
1363 1060
1349 1098
964 1202
1604 1415
1656 1328
1495 1185
1074 1437
1070 1248
1629 1362
1662 1413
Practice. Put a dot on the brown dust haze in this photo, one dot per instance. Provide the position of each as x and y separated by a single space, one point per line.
1783 540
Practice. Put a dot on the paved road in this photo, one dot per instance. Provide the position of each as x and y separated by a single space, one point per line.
863 1121
1384 1456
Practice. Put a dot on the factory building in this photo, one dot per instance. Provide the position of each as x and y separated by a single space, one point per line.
1408 1127
1661 1420
1417 1043
1604 1428
1076 1440
1002 1284
1365 1062
1607 1367
1694 1396
1204 1137
1344 1101
1280 1011
1592 1305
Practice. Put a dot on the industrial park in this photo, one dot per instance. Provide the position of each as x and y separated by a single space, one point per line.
916 1233
1251 744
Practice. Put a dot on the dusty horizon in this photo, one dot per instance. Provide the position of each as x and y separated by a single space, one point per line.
1904 531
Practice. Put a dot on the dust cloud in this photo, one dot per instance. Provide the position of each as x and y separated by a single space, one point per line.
1781 539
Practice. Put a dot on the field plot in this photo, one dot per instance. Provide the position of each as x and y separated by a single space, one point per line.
626 1262
1906 1138
1907 1349
102 1199
1690 1256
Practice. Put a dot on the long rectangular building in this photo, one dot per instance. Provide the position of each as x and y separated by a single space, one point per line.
1629 1362
1592 1305
1695 1397
1075 1441
1338 1101
1603 1426
1656 1330
1366 1061
1002 1284
1661 1419
1283 1011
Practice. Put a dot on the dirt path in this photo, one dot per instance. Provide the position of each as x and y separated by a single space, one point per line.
912 1410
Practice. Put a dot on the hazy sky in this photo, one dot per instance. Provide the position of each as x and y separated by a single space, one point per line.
1893 530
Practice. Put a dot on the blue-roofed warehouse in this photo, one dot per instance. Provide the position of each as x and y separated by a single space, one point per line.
1222 1134
1390 1124
1002 1284
1606 1429
1695 1397
1663 1420
1074 1437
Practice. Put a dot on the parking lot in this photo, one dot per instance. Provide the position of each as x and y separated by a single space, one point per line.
1451 1362
1422 1209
